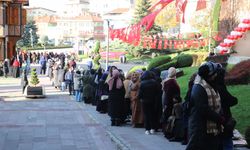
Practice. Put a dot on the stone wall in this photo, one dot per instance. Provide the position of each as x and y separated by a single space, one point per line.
242 46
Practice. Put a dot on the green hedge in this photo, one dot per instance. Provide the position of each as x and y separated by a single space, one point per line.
166 66
184 60
158 61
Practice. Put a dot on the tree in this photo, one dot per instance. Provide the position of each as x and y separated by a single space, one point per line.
30 29
97 56
167 17
34 78
44 40
141 11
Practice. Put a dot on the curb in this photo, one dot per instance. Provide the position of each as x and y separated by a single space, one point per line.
121 145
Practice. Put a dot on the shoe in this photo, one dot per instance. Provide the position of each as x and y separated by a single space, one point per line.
152 131
147 132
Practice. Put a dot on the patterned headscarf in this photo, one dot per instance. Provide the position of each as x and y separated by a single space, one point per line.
115 76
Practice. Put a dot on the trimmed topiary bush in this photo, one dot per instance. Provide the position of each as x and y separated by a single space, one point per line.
34 78
239 74
168 65
184 60
158 61
247 136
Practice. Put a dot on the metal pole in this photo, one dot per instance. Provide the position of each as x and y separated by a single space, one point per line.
210 29
31 38
107 52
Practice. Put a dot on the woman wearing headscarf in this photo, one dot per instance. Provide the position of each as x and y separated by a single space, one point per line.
171 90
147 94
227 101
103 89
136 106
205 121
158 104
127 103
116 98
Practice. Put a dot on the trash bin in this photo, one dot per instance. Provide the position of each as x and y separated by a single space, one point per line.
123 59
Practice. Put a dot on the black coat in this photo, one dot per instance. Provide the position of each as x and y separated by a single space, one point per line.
227 101
148 91
200 113
116 102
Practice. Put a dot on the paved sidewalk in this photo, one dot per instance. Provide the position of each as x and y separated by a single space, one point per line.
59 123
132 138
53 123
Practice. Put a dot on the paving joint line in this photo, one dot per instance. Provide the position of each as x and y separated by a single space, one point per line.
118 141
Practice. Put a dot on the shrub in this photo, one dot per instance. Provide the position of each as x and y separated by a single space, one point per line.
239 74
158 61
168 65
184 60
34 78
247 136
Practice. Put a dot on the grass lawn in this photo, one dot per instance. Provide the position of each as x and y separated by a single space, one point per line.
242 92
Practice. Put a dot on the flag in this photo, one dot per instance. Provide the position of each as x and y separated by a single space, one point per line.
201 4
180 9
163 4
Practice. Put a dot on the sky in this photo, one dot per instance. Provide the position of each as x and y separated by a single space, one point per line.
50 4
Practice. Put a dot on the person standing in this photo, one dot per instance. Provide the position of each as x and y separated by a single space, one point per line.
16 67
227 101
69 79
136 105
171 90
5 68
77 85
42 62
147 94
127 103
116 98
205 121
24 80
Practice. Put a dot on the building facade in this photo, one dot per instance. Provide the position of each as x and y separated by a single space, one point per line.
12 21
81 27
47 26
39 12
74 8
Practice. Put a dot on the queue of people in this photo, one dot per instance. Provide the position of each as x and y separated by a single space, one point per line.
202 121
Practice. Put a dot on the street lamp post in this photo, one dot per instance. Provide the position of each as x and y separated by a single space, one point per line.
107 49
31 38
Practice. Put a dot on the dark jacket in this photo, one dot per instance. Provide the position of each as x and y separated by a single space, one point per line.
227 101
148 89
200 113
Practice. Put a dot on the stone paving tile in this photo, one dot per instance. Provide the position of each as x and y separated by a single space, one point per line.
53 123
25 146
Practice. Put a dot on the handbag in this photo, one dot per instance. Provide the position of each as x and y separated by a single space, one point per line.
104 97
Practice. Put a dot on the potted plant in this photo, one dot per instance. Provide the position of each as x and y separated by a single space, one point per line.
34 90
